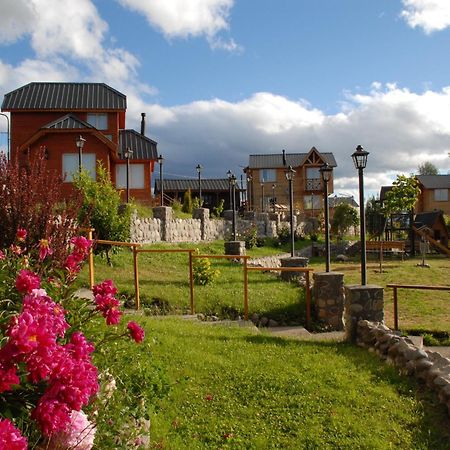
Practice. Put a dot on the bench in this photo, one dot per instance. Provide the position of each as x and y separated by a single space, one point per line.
381 247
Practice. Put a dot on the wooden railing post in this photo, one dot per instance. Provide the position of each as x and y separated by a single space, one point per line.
137 303
191 282
245 290
308 299
395 309
91 260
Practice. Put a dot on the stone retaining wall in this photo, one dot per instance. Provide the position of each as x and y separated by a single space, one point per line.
429 368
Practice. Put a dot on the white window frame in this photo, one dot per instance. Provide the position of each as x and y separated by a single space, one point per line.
137 176
312 202
70 165
441 195
98 120
267 175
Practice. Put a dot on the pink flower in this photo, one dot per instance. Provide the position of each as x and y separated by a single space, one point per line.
109 307
2 255
21 234
79 434
15 249
10 437
105 288
81 244
26 281
8 377
44 249
51 415
136 331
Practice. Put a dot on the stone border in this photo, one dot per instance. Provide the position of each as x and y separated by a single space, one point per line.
430 368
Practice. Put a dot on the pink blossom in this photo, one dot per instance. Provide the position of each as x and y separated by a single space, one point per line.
21 234
15 249
44 249
51 415
26 281
81 244
10 437
136 331
109 307
8 377
2 255
79 434
73 262
105 288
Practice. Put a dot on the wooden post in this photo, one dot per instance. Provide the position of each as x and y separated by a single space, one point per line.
191 282
308 299
381 256
245 290
395 310
91 260
137 301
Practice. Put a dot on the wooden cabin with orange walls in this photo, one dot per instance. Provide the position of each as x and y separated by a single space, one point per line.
54 116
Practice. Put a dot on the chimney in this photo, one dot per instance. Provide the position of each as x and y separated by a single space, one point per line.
143 124
284 157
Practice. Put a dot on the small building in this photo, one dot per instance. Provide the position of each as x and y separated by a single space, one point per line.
434 193
267 183
213 191
52 116
435 223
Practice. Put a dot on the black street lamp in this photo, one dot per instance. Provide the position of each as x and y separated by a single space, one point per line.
233 203
290 177
273 196
326 171
360 160
249 196
161 187
229 175
199 171
128 153
80 144
262 196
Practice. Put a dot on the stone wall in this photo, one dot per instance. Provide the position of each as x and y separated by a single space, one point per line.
429 368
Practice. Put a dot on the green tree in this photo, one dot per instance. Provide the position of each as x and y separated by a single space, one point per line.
187 202
102 208
344 217
375 219
427 168
403 195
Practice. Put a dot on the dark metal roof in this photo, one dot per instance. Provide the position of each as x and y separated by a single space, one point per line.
64 96
216 184
435 181
383 191
275 161
142 146
68 122
427 218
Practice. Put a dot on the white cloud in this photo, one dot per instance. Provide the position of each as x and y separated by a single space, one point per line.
431 15
15 20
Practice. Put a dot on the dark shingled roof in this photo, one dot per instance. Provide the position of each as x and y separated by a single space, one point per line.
435 181
64 96
216 184
383 191
68 122
275 161
142 146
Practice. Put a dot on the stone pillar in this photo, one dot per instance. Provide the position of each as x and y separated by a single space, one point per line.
362 303
165 214
328 292
201 214
235 248
296 261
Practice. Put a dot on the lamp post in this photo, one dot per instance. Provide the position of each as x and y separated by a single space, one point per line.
290 177
161 187
262 196
80 144
273 196
229 175
128 153
233 203
360 160
8 137
326 171
199 171
249 197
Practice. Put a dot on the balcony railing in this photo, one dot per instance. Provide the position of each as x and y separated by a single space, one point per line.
313 184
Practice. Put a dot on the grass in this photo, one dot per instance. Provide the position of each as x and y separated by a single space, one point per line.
232 388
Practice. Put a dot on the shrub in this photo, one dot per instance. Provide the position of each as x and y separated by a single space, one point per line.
250 237
187 202
102 208
30 199
203 272
218 210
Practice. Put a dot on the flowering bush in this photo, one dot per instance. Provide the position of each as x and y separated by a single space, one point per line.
47 374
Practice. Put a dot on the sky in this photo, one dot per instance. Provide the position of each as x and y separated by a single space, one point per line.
222 79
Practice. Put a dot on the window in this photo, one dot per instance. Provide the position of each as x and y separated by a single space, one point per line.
267 175
312 173
137 179
313 179
99 121
312 202
70 165
441 195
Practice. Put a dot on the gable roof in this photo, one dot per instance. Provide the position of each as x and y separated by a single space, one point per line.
64 96
68 122
434 181
212 184
275 161
335 201
142 146
383 191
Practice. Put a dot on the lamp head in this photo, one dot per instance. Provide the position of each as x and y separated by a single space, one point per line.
360 157
325 172
289 173
80 142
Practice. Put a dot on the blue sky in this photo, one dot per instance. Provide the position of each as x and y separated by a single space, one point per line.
222 79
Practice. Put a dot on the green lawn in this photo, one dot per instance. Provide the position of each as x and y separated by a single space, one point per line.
232 388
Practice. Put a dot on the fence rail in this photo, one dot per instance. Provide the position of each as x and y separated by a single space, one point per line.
395 287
